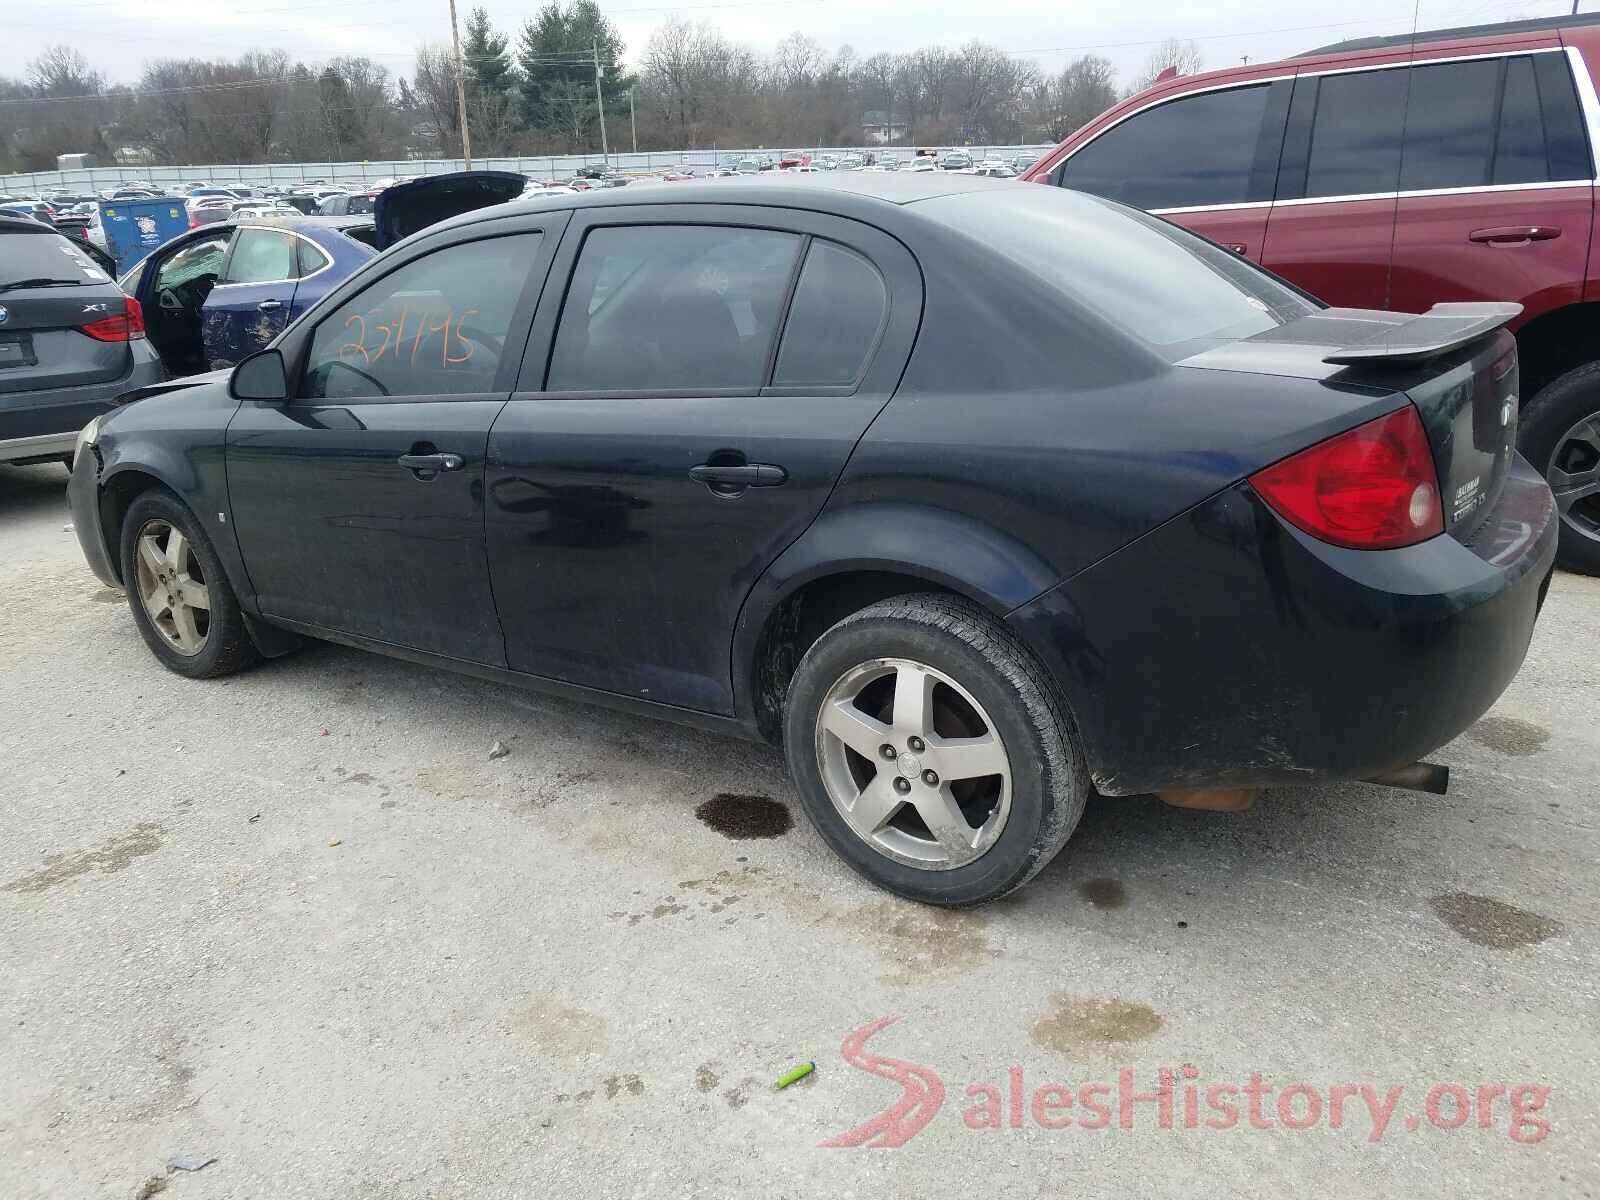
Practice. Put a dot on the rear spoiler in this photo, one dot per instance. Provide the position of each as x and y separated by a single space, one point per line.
1415 339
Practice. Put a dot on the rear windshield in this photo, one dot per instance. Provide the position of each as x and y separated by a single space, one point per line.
1167 288
44 256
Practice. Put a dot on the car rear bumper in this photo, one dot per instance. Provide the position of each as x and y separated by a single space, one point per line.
45 423
1229 649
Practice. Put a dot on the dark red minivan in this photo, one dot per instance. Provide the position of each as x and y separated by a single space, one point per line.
1394 173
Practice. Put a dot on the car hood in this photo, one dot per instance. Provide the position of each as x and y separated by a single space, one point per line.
173 385
401 210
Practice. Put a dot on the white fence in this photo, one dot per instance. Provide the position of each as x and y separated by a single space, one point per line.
560 166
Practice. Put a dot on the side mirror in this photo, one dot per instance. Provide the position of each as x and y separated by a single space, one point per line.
262 376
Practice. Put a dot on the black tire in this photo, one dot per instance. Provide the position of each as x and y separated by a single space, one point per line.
227 647
1559 406
1049 776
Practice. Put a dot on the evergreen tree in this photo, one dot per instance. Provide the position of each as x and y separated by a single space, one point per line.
556 54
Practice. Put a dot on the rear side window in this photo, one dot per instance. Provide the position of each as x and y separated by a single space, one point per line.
672 308
1355 139
262 256
1541 136
1200 150
1450 125
436 326
1521 152
838 310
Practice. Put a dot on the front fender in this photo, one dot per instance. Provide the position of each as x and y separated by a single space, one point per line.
177 440
947 549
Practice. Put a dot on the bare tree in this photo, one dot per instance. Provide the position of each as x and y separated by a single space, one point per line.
1179 53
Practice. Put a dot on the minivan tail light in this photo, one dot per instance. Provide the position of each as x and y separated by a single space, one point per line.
1373 487
118 327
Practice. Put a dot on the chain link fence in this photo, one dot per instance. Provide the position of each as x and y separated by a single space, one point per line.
559 166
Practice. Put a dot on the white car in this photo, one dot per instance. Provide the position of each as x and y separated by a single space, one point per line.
921 164
994 169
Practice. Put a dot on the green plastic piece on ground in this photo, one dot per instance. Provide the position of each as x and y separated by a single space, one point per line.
794 1075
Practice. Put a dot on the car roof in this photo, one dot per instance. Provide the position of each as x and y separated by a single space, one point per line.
822 192
1423 37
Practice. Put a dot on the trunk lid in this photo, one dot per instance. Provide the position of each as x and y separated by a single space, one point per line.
1457 364
401 210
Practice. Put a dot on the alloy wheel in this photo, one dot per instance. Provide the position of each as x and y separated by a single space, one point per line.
172 587
1574 476
913 764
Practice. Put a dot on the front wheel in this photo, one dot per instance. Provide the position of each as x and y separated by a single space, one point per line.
181 600
930 751
1560 435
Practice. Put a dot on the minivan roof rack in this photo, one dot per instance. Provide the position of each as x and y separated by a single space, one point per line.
1532 25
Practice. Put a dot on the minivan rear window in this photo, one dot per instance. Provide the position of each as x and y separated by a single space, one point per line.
1159 283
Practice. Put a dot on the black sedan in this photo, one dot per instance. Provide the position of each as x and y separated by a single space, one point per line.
975 497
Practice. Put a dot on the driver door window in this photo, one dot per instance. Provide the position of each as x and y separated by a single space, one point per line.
435 326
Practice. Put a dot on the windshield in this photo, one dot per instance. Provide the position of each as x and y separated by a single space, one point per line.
1159 283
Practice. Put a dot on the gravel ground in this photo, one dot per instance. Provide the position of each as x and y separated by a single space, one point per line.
301 922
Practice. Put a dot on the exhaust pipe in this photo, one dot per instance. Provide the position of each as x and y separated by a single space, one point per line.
1415 777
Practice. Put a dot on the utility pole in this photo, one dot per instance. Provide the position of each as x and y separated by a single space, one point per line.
600 102
461 91
633 124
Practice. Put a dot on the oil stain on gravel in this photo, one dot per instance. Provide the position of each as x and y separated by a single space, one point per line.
922 944
743 817
1078 1028
1104 894
1508 735
115 854
1484 921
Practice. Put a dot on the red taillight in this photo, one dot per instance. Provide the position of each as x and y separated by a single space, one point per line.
118 327
1370 488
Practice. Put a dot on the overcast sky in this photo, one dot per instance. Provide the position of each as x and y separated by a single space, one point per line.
118 36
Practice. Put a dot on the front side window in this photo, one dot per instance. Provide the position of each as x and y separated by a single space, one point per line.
436 326
1193 152
262 256
672 308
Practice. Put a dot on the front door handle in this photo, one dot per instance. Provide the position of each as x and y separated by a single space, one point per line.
1515 235
269 306
738 476
428 465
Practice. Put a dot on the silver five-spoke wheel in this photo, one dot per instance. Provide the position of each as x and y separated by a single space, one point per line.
913 764
172 587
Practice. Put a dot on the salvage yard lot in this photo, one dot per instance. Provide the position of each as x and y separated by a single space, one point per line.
301 921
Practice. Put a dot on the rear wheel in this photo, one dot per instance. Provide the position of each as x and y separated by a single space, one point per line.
930 752
181 600
1560 435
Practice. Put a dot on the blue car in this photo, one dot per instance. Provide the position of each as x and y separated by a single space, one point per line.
222 291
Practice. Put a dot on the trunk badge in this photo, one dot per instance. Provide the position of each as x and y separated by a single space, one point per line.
5 314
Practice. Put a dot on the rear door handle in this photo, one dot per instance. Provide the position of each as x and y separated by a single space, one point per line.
431 463
1515 235
269 306
740 475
